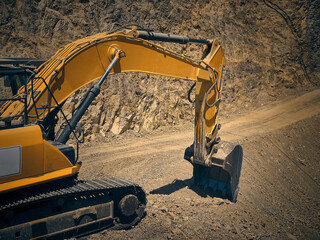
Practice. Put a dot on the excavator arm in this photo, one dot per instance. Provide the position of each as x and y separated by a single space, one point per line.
86 60
216 164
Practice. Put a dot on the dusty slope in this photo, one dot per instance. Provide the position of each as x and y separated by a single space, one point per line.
280 184
271 48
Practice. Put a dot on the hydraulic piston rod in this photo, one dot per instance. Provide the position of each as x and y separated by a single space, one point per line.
86 102
148 35
109 68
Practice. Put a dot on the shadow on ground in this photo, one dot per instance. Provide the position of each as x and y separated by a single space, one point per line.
177 184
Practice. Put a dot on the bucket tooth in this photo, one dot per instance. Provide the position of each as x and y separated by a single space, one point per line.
223 174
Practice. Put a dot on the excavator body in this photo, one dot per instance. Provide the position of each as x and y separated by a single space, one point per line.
38 170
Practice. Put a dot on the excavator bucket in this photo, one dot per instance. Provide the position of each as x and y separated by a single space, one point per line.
222 177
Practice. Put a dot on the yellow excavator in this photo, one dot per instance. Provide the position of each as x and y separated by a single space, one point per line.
40 195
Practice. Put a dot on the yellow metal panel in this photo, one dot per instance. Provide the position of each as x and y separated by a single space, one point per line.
31 142
143 58
34 150
48 177
215 60
54 159
217 63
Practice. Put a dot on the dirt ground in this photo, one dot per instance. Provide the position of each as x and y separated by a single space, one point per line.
279 185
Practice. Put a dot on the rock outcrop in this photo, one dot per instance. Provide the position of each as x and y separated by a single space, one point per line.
270 46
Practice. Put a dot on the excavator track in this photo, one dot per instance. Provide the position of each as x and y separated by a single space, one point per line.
70 208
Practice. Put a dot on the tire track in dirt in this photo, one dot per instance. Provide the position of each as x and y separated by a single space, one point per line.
264 120
274 117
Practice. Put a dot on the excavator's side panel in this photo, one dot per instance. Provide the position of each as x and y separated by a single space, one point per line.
59 161
26 159
29 161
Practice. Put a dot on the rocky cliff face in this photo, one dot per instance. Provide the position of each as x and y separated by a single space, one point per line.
270 46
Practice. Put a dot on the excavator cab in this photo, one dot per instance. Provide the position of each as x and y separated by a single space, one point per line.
14 73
